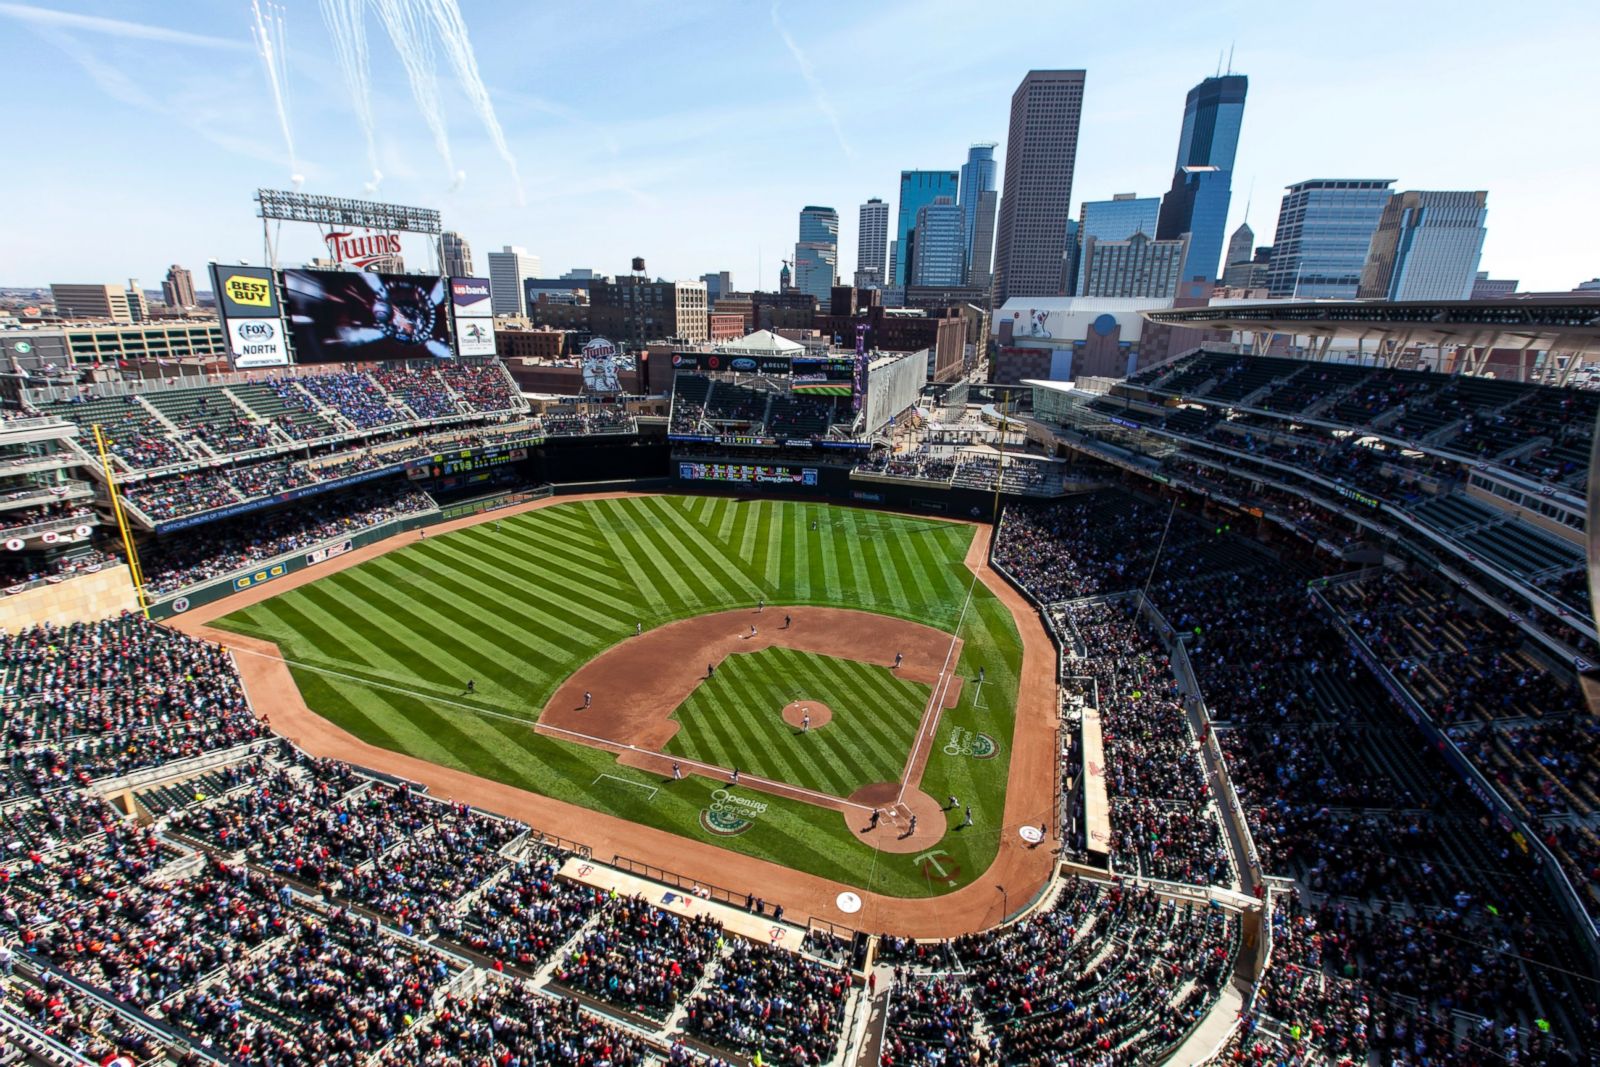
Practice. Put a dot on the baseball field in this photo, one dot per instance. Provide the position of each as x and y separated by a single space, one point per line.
536 650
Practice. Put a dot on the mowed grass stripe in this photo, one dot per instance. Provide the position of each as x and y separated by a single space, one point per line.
575 531
796 559
691 545
777 519
871 571
463 598
871 723
644 547
549 566
404 631
585 617
345 613
648 582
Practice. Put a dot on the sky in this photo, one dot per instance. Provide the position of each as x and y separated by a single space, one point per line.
692 132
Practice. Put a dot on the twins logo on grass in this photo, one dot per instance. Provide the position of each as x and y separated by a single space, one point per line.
730 815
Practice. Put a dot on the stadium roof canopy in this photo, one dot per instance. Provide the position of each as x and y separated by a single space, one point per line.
764 343
1564 326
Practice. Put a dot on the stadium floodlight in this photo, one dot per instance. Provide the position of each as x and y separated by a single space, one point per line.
337 211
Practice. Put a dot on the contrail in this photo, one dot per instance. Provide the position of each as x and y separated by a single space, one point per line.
45 18
346 21
818 96
271 39
453 30
414 42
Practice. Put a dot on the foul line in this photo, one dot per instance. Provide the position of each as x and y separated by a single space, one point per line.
625 781
931 716
539 727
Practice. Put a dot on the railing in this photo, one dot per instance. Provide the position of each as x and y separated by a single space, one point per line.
1249 862
677 881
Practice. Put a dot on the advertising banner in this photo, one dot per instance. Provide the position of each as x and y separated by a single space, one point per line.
469 302
470 297
349 316
257 343
745 472
720 361
244 292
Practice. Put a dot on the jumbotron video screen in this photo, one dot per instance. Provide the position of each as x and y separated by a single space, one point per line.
357 316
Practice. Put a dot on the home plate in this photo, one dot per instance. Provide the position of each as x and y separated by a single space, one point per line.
848 903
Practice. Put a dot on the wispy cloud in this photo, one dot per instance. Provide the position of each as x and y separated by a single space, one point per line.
818 95
47 18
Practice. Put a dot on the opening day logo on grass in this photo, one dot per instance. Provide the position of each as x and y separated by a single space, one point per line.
964 742
730 815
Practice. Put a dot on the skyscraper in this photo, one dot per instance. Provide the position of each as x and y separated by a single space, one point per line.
507 269
1325 228
872 239
103 302
1137 267
1041 152
980 244
1202 181
138 306
1426 247
917 190
457 255
178 290
717 284
816 254
1117 219
1241 246
940 245
978 176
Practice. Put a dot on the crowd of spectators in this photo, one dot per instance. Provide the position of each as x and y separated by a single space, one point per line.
95 699
507 1023
596 418
18 570
1164 824
1113 973
21 518
771 1001
920 464
356 397
417 386
641 957
483 385
1346 984
233 544
524 917
931 1020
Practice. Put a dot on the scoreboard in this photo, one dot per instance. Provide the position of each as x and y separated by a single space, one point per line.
464 462
746 473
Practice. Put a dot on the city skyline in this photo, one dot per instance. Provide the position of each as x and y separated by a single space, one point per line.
684 177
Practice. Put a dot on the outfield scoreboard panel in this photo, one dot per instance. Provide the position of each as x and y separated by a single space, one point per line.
465 462
746 473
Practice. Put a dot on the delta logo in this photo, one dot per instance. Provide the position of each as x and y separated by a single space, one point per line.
248 291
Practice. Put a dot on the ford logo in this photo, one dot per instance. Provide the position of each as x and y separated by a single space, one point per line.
743 363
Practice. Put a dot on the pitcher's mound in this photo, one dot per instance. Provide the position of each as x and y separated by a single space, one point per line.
795 713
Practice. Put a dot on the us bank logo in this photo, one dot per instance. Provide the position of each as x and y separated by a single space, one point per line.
729 814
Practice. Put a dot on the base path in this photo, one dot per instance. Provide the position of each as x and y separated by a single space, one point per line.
626 695
1030 794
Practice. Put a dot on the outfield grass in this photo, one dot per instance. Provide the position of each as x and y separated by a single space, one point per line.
733 720
384 649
